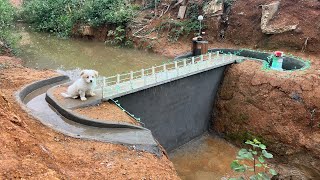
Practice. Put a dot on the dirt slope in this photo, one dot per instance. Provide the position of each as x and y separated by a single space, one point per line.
281 108
31 150
245 17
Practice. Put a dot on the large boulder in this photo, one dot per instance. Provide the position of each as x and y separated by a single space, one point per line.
268 13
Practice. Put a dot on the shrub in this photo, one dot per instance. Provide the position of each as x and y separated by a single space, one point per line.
178 29
118 37
60 16
7 15
253 160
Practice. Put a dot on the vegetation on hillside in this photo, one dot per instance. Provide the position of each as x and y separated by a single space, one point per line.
7 15
60 16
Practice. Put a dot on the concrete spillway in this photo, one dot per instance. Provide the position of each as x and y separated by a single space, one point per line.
178 111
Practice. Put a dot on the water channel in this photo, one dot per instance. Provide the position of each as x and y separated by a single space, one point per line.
207 157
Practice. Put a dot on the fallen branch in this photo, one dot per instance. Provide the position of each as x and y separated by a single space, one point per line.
165 11
139 30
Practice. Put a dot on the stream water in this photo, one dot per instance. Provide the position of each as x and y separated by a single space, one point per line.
208 157
39 50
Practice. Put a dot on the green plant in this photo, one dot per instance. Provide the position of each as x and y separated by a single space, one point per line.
118 37
177 29
60 16
7 15
253 160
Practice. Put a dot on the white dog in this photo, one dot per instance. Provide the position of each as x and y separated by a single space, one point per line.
82 86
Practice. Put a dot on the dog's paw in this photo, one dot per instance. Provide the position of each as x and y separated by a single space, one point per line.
92 94
83 98
75 97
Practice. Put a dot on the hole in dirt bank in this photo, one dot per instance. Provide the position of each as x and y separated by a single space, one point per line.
289 63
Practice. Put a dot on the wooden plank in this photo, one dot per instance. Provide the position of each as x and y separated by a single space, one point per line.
182 12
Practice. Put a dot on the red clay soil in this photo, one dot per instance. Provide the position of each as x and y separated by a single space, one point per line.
30 150
107 112
244 25
244 28
104 111
280 108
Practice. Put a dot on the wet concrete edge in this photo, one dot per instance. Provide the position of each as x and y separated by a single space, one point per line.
69 114
29 88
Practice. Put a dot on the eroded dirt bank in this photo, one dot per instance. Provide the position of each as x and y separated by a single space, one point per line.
280 108
32 150
244 25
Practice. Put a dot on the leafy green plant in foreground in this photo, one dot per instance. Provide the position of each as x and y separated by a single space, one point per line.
252 160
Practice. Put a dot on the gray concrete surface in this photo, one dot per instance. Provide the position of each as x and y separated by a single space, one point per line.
177 111
68 104
140 139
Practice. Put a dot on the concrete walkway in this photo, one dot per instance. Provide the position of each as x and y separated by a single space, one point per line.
114 87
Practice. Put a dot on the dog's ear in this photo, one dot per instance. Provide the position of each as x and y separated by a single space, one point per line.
96 73
82 73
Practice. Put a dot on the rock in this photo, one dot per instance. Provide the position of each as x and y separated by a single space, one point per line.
268 13
212 7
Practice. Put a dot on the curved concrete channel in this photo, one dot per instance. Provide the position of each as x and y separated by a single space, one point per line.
32 99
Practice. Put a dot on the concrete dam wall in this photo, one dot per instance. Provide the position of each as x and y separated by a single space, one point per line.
178 111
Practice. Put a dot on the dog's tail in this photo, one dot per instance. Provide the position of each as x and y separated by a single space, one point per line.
65 95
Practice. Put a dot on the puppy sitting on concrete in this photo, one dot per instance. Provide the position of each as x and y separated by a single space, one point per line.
82 86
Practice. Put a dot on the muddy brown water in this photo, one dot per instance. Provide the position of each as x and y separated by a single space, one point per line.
39 50
208 157
205 158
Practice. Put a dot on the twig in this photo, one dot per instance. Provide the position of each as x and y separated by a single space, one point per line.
166 10
139 30
304 47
